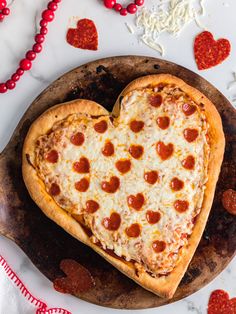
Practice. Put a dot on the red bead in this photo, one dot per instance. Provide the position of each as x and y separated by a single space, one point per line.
123 12
6 11
10 84
2 16
132 8
139 2
52 6
3 88
15 77
109 3
117 7
25 64
37 48
43 30
56 1
39 38
43 23
3 4
48 15
30 55
20 71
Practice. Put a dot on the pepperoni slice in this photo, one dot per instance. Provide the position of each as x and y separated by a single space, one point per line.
82 166
164 151
136 126
176 184
54 189
85 36
133 231
91 206
151 177
155 100
108 149
136 201
136 151
220 303
112 186
190 135
163 122
78 279
123 166
112 223
189 162
153 217
188 109
229 201
159 246
101 126
52 156
77 139
181 206
82 185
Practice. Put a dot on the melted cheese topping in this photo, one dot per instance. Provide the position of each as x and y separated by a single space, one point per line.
174 227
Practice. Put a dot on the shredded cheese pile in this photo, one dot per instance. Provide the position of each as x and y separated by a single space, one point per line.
171 16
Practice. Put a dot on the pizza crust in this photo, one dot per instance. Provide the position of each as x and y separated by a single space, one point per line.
164 286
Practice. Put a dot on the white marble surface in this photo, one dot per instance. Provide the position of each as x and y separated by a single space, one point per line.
16 34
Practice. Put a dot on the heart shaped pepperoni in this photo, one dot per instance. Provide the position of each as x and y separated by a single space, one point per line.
208 52
85 36
164 151
113 222
111 186
82 166
78 279
136 201
219 303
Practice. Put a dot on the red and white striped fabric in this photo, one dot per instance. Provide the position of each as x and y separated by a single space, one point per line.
15 298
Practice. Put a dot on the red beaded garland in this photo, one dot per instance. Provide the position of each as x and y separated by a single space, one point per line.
26 63
139 2
10 84
131 8
15 77
117 7
39 38
123 12
48 15
109 3
37 48
43 30
4 11
30 55
3 4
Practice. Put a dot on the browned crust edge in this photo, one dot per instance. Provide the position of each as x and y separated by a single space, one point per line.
163 286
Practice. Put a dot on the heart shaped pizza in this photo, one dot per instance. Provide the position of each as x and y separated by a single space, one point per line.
137 184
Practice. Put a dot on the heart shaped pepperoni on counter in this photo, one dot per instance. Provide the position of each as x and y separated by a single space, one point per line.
78 280
85 36
209 52
220 303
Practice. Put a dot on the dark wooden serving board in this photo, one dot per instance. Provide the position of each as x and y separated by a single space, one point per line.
46 244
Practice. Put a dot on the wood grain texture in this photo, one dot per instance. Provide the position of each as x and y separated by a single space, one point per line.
46 244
